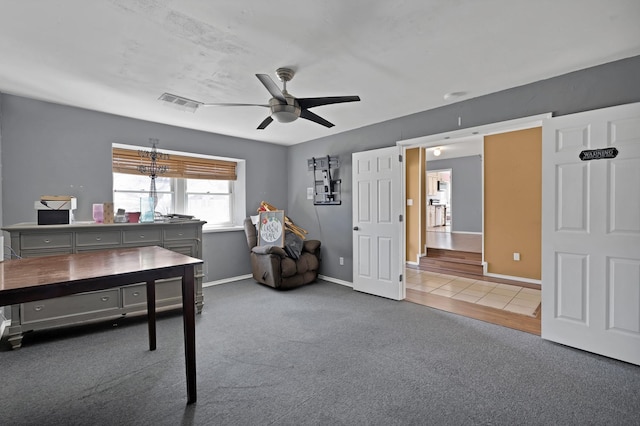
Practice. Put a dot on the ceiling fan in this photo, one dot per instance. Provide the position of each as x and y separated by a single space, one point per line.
285 108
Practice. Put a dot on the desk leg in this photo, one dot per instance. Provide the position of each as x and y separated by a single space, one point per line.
151 313
189 319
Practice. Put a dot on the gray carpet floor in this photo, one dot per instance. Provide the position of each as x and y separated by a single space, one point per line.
318 355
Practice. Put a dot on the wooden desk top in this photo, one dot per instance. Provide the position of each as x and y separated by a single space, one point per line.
52 276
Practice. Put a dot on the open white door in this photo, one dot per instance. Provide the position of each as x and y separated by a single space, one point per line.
591 231
377 207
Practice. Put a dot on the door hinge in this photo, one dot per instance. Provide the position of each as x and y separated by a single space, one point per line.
400 218
400 277
400 158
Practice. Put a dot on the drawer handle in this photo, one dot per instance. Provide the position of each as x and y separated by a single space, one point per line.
136 293
98 238
141 236
180 234
47 241
104 298
38 308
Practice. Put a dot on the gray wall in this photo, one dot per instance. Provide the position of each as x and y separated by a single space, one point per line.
466 195
55 149
49 148
607 85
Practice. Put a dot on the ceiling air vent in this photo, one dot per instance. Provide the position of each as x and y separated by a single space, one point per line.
179 102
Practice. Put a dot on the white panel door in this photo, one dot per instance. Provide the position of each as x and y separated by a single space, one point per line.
591 232
377 207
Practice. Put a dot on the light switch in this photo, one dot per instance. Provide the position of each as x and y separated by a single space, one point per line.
409 201
310 193
516 256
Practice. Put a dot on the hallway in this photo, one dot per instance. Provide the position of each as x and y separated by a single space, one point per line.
453 241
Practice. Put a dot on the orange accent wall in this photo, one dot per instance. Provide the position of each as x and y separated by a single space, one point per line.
513 202
414 169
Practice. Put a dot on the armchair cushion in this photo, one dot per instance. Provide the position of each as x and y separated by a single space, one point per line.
269 250
288 267
311 246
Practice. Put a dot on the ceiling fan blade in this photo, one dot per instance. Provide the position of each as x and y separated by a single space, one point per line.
315 118
271 87
233 104
314 102
265 123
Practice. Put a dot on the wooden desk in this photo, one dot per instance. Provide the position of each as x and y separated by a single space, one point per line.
27 280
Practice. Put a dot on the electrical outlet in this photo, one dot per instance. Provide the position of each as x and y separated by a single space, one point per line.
341 260
310 193
516 256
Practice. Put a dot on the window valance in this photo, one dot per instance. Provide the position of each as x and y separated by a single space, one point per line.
178 166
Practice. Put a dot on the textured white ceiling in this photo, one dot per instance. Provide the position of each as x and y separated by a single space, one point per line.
400 57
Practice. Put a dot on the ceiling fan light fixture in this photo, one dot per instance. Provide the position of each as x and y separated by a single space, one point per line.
285 113
284 107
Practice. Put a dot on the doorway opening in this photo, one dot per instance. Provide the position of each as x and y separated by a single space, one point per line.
454 194
421 288
439 188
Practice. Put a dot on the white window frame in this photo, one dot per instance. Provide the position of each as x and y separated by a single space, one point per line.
238 189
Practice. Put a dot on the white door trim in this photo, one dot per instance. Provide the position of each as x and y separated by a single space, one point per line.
454 136
461 135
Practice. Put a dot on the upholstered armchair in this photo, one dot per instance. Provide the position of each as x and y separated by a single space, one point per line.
272 266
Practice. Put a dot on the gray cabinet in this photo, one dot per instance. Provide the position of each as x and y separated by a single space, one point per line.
31 240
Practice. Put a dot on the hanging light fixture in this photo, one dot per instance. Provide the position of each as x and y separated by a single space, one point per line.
153 169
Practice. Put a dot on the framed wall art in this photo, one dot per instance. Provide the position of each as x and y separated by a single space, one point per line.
271 228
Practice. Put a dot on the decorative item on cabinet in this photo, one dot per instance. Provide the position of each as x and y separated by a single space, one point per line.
55 209
153 169
326 189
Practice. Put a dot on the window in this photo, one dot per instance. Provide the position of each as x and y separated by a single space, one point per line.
128 189
207 188
211 199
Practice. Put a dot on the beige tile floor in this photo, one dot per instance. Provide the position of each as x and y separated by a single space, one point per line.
512 298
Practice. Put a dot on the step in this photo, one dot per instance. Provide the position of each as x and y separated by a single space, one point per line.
443 261
454 254
444 266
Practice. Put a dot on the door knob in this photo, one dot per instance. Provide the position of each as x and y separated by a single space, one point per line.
355 228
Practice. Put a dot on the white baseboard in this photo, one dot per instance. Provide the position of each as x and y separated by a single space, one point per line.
227 280
412 263
465 232
335 280
244 277
512 278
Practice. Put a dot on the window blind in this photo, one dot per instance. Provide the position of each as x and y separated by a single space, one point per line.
178 166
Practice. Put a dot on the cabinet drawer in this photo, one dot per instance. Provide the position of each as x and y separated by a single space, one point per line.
106 238
83 303
39 253
41 241
188 248
170 290
146 236
181 233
